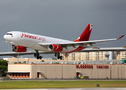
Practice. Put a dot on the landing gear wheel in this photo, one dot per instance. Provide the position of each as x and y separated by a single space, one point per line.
61 57
40 57
37 55
58 56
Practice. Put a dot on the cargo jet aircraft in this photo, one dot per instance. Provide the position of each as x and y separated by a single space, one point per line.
20 41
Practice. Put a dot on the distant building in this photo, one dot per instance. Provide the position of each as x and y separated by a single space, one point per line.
85 56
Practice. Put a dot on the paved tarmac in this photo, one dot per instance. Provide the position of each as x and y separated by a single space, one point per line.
72 89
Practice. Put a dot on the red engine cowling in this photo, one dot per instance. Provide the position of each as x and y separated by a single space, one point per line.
19 49
55 48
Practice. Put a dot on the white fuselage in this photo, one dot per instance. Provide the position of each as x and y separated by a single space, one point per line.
32 41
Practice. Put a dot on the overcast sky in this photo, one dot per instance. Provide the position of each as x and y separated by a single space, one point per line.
64 19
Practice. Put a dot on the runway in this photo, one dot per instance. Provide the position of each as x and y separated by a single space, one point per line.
73 89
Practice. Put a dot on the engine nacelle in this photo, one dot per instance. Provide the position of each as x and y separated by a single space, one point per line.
55 48
19 49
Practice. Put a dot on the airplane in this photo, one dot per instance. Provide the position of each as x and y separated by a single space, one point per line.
20 41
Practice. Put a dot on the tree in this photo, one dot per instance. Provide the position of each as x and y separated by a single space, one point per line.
3 67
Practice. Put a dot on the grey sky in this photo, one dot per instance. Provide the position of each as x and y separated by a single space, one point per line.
64 19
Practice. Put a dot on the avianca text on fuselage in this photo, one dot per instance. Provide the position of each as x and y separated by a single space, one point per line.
33 37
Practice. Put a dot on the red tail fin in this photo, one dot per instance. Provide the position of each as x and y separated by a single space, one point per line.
86 34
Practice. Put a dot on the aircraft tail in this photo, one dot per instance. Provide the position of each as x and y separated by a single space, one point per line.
86 34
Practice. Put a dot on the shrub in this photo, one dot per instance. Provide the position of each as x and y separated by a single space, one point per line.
24 62
86 77
15 62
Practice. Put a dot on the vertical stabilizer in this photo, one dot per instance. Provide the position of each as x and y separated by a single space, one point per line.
86 34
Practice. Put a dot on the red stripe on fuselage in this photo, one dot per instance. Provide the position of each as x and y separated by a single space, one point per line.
77 49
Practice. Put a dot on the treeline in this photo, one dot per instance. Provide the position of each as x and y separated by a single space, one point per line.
3 67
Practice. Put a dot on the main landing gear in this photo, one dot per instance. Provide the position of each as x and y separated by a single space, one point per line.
37 55
40 57
58 56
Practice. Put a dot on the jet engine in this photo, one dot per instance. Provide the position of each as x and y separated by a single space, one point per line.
18 48
55 48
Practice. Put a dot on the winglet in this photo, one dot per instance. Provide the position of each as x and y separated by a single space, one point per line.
120 37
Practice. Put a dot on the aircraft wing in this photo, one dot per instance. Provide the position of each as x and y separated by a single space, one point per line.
84 50
82 43
103 49
22 53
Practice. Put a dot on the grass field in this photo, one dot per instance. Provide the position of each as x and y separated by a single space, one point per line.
59 84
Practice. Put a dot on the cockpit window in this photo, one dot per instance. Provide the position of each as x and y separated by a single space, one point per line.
9 34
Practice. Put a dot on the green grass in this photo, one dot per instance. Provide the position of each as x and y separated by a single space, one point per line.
59 84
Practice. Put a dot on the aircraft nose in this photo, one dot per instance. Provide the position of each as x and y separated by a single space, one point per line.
6 37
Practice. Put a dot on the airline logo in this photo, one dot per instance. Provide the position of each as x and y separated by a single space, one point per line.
33 37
